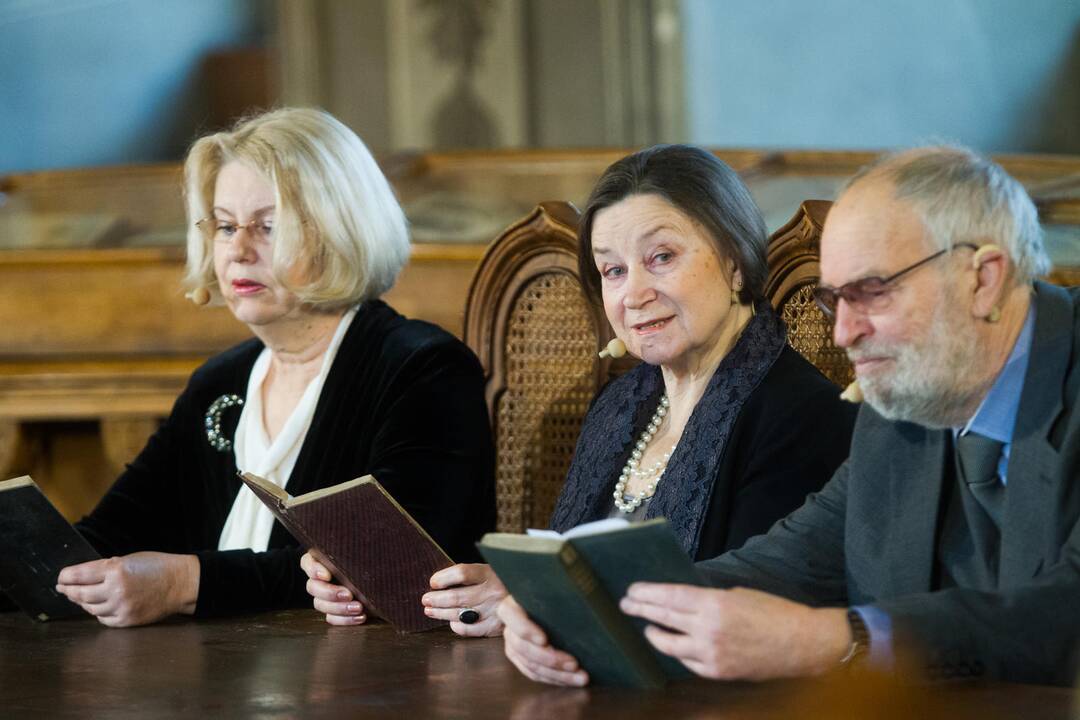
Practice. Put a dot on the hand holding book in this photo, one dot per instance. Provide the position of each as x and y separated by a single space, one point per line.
528 648
464 587
360 537
334 601
563 623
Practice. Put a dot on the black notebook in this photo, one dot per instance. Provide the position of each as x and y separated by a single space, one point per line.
36 543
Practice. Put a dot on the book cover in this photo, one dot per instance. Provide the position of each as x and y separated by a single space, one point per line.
571 586
36 543
369 543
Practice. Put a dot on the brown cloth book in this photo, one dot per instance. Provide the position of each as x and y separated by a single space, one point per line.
36 543
369 542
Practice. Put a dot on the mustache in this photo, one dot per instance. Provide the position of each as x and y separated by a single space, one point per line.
864 351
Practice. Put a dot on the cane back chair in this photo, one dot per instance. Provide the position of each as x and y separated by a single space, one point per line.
793 254
536 336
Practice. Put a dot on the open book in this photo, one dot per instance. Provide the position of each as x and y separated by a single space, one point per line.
571 584
36 543
368 542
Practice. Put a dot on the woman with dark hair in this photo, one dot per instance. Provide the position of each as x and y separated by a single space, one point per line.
723 428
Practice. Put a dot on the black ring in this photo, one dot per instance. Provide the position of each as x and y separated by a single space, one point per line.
468 616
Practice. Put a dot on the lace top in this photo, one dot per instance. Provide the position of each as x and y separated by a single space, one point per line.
621 412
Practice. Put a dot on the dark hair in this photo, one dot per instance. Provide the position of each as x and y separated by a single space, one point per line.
696 183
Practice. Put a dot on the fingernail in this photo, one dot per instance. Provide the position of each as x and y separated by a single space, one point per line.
429 611
344 595
360 619
354 607
323 575
580 680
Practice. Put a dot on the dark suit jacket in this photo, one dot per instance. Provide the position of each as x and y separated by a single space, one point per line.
404 401
870 536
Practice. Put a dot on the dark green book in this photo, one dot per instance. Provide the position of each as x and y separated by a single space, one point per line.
571 587
36 543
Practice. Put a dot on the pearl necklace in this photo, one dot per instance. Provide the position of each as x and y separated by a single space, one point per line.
632 469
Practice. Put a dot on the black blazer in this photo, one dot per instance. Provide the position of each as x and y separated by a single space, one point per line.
404 401
870 536
720 488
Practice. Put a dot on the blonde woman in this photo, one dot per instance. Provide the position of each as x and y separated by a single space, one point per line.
294 229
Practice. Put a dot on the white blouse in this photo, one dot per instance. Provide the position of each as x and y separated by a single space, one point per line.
250 522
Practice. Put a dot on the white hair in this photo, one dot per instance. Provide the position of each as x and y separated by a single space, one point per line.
336 215
962 196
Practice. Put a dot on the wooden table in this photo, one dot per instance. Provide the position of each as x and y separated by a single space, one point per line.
291 664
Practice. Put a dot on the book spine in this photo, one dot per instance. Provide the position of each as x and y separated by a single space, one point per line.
605 608
296 528
295 525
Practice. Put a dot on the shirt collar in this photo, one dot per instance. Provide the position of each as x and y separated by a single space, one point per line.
996 416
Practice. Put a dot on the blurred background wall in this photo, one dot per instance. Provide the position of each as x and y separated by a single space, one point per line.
93 82
1001 75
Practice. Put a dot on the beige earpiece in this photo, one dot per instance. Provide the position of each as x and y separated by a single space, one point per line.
199 296
976 262
614 349
852 393
977 258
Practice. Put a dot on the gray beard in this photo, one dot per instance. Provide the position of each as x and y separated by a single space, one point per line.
931 383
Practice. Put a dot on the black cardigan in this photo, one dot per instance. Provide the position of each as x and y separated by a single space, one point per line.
403 401
788 437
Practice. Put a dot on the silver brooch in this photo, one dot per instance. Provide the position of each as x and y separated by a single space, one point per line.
213 421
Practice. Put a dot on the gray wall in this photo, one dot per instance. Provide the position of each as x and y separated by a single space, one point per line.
93 82
1000 75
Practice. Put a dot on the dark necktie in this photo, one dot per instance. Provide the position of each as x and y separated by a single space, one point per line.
977 461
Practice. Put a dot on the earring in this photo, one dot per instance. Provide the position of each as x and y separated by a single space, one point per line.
995 315
736 287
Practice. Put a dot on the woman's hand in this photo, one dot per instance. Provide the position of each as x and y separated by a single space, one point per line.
336 601
473 587
528 648
135 589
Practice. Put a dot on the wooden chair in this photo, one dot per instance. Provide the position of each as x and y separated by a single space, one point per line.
537 338
793 258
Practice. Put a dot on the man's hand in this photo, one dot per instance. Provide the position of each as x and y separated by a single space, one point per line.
739 634
461 586
135 589
335 601
527 647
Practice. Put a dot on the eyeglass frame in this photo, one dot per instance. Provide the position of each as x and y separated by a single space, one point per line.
248 226
844 292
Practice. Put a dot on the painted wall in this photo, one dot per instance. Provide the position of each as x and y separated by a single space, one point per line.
93 82
1000 75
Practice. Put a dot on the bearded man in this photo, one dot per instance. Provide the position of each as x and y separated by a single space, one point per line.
952 529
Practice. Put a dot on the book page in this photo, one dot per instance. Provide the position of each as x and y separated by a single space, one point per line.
590 528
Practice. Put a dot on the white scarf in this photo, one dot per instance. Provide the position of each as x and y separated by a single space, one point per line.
250 522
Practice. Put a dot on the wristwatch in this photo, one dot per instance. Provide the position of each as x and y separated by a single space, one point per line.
860 639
